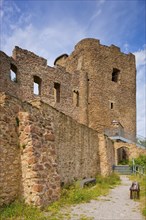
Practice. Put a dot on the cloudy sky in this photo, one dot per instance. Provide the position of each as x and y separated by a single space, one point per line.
52 27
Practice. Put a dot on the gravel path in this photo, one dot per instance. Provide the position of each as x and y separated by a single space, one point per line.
115 206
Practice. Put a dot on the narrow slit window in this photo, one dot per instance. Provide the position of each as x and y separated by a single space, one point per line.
57 92
37 85
75 98
112 105
13 73
115 75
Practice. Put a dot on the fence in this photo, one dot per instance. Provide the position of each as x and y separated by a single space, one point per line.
137 169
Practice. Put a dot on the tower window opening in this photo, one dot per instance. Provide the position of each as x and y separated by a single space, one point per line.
13 73
37 85
112 105
76 98
115 75
57 92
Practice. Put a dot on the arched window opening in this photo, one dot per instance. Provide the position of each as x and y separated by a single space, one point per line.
37 85
57 92
123 155
115 75
13 73
76 98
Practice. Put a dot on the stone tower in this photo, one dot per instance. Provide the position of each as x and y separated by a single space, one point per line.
107 85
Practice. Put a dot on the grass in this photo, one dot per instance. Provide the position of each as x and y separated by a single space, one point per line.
20 211
142 182
73 194
59 210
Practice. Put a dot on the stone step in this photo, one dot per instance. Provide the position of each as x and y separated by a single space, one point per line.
123 170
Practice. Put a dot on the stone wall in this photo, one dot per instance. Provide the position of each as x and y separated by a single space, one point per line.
40 178
10 162
86 73
28 162
132 150
41 148
77 149
107 100
106 154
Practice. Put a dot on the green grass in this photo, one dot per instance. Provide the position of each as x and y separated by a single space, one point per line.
142 182
20 211
60 210
74 194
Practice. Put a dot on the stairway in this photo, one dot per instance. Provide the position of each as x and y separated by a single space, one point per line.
123 169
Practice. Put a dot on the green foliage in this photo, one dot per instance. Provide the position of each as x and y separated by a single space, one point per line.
18 210
123 162
70 195
142 182
73 194
141 161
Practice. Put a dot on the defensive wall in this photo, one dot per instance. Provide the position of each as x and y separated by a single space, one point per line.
42 148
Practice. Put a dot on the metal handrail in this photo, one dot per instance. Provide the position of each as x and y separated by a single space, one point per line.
118 132
137 169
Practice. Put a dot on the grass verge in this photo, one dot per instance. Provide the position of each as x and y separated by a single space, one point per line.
59 210
73 194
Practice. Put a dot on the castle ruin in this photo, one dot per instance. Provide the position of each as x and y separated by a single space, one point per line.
56 122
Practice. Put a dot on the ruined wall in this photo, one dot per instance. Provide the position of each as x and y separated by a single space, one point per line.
86 72
28 158
10 162
42 147
106 154
28 66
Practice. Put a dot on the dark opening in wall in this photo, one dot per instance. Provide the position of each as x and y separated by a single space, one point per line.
75 98
115 75
13 73
112 105
57 92
37 85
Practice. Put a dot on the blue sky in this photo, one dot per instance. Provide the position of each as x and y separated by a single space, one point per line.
50 28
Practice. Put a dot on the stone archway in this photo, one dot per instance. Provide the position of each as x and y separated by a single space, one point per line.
122 155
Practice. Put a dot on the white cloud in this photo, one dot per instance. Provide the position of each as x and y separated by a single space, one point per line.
140 57
49 43
141 91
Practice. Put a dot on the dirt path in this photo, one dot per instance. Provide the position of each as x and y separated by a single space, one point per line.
115 206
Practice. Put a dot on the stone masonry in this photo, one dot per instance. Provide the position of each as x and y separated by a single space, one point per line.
52 119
